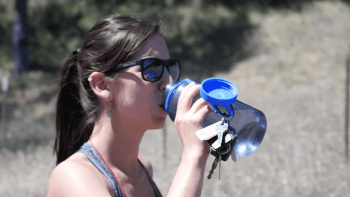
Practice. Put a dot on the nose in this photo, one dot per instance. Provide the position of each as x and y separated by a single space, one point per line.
165 80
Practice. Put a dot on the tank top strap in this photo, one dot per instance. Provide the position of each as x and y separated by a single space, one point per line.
95 159
155 188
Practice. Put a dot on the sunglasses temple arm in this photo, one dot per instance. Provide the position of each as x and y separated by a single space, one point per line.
127 65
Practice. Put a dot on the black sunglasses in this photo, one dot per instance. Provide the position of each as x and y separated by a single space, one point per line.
152 69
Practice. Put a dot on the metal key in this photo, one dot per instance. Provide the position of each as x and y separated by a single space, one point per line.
219 165
220 129
215 163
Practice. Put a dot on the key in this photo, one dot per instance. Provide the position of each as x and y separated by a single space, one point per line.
208 132
220 129
220 132
233 156
219 165
215 163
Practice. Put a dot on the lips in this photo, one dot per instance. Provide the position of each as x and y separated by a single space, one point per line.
162 106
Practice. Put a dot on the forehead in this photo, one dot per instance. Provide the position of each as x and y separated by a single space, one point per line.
155 47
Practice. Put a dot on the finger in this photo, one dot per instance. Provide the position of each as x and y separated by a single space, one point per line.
198 105
186 97
189 94
203 113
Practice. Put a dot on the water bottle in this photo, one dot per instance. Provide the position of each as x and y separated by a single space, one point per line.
247 123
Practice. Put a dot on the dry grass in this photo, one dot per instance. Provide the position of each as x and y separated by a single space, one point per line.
297 79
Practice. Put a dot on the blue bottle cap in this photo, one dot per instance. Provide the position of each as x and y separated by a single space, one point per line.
218 91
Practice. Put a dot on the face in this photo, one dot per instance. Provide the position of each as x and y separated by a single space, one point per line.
138 101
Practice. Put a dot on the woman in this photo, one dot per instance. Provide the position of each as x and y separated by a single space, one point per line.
109 95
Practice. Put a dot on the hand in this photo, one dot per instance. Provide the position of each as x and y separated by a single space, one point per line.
189 120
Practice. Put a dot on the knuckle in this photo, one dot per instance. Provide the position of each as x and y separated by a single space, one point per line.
178 121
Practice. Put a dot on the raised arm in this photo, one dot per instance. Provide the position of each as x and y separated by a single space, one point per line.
188 180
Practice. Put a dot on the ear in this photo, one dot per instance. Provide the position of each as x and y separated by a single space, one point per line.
100 86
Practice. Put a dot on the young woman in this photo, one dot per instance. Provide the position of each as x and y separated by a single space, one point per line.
109 95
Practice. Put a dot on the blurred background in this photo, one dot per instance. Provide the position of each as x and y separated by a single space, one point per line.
287 57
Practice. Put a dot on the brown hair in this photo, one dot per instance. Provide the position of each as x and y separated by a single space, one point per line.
110 42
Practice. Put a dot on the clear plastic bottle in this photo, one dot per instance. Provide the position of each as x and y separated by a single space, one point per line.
248 124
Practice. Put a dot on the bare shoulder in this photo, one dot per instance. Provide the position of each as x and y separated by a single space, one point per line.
147 164
73 178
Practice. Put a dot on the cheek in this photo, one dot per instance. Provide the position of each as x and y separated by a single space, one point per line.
126 100
134 102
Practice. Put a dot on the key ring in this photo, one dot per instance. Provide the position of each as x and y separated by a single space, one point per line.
222 121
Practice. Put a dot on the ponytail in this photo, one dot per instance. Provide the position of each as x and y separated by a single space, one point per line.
72 129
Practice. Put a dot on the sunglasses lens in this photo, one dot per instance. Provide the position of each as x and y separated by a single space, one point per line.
152 69
174 70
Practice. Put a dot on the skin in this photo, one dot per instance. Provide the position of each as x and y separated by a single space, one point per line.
135 103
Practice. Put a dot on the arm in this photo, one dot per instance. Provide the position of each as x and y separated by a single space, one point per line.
189 177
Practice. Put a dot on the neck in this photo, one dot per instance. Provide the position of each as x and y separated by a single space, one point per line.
118 143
